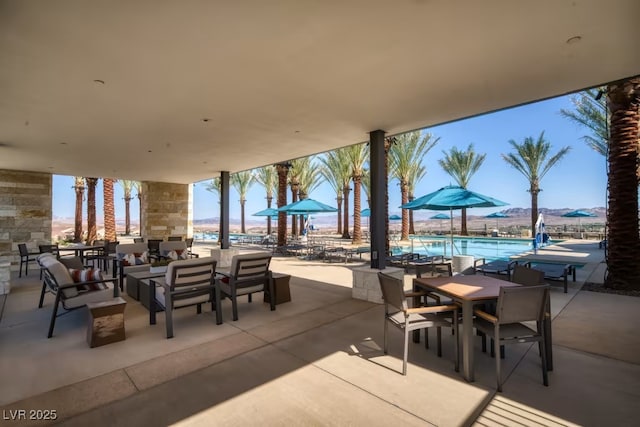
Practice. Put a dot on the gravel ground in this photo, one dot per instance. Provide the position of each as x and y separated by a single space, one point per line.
599 287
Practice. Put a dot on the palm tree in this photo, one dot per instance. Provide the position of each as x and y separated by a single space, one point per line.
406 154
591 112
308 180
242 181
268 177
358 156
127 185
623 243
283 171
79 189
337 171
531 160
109 210
416 173
91 209
461 166
295 170
138 186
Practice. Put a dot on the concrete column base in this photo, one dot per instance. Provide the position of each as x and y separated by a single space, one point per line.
5 277
366 285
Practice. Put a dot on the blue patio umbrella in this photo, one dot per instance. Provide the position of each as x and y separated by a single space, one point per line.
267 212
365 213
306 207
395 217
497 215
578 214
450 198
440 216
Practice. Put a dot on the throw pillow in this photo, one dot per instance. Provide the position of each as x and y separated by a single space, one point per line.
135 258
177 254
88 275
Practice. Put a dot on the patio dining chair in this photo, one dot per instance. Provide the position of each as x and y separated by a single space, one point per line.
516 305
25 258
398 313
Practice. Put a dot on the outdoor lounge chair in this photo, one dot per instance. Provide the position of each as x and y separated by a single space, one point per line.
187 282
88 286
494 267
129 258
398 313
556 272
249 274
516 305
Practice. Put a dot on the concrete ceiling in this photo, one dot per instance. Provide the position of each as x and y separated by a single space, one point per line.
177 91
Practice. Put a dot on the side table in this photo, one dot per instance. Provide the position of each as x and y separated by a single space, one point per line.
106 322
280 288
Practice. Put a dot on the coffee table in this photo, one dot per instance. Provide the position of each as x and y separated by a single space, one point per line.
138 285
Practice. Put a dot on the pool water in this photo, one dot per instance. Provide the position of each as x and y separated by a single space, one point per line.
478 247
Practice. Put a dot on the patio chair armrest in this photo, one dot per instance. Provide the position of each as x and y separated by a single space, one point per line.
486 316
432 309
477 262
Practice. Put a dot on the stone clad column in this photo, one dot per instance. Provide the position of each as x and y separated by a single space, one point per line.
25 212
165 210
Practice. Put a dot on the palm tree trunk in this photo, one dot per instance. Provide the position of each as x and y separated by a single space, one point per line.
283 171
302 196
411 229
345 213
404 195
77 231
269 201
463 222
91 210
339 202
127 215
534 209
294 218
140 212
387 147
109 210
357 229
242 227
623 243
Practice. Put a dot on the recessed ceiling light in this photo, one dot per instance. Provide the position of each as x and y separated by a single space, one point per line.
296 131
98 81
574 39
149 151
63 143
206 119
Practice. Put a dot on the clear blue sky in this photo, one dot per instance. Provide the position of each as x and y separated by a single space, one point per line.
578 181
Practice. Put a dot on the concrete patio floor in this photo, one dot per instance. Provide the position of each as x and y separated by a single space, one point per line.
317 360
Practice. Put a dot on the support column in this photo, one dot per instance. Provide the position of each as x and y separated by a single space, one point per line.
378 198
224 210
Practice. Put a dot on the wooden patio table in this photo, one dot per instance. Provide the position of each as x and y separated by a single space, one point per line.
468 291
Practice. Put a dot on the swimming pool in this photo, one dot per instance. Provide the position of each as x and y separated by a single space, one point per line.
479 247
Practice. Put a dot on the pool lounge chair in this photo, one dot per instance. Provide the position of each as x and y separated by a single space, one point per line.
555 272
494 267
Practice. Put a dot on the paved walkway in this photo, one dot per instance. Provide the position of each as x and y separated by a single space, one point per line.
316 361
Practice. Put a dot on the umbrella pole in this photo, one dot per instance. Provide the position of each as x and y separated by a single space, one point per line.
451 215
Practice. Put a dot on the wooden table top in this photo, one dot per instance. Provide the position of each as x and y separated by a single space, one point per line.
465 287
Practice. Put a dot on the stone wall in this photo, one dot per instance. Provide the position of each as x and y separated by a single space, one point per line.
166 210
25 212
